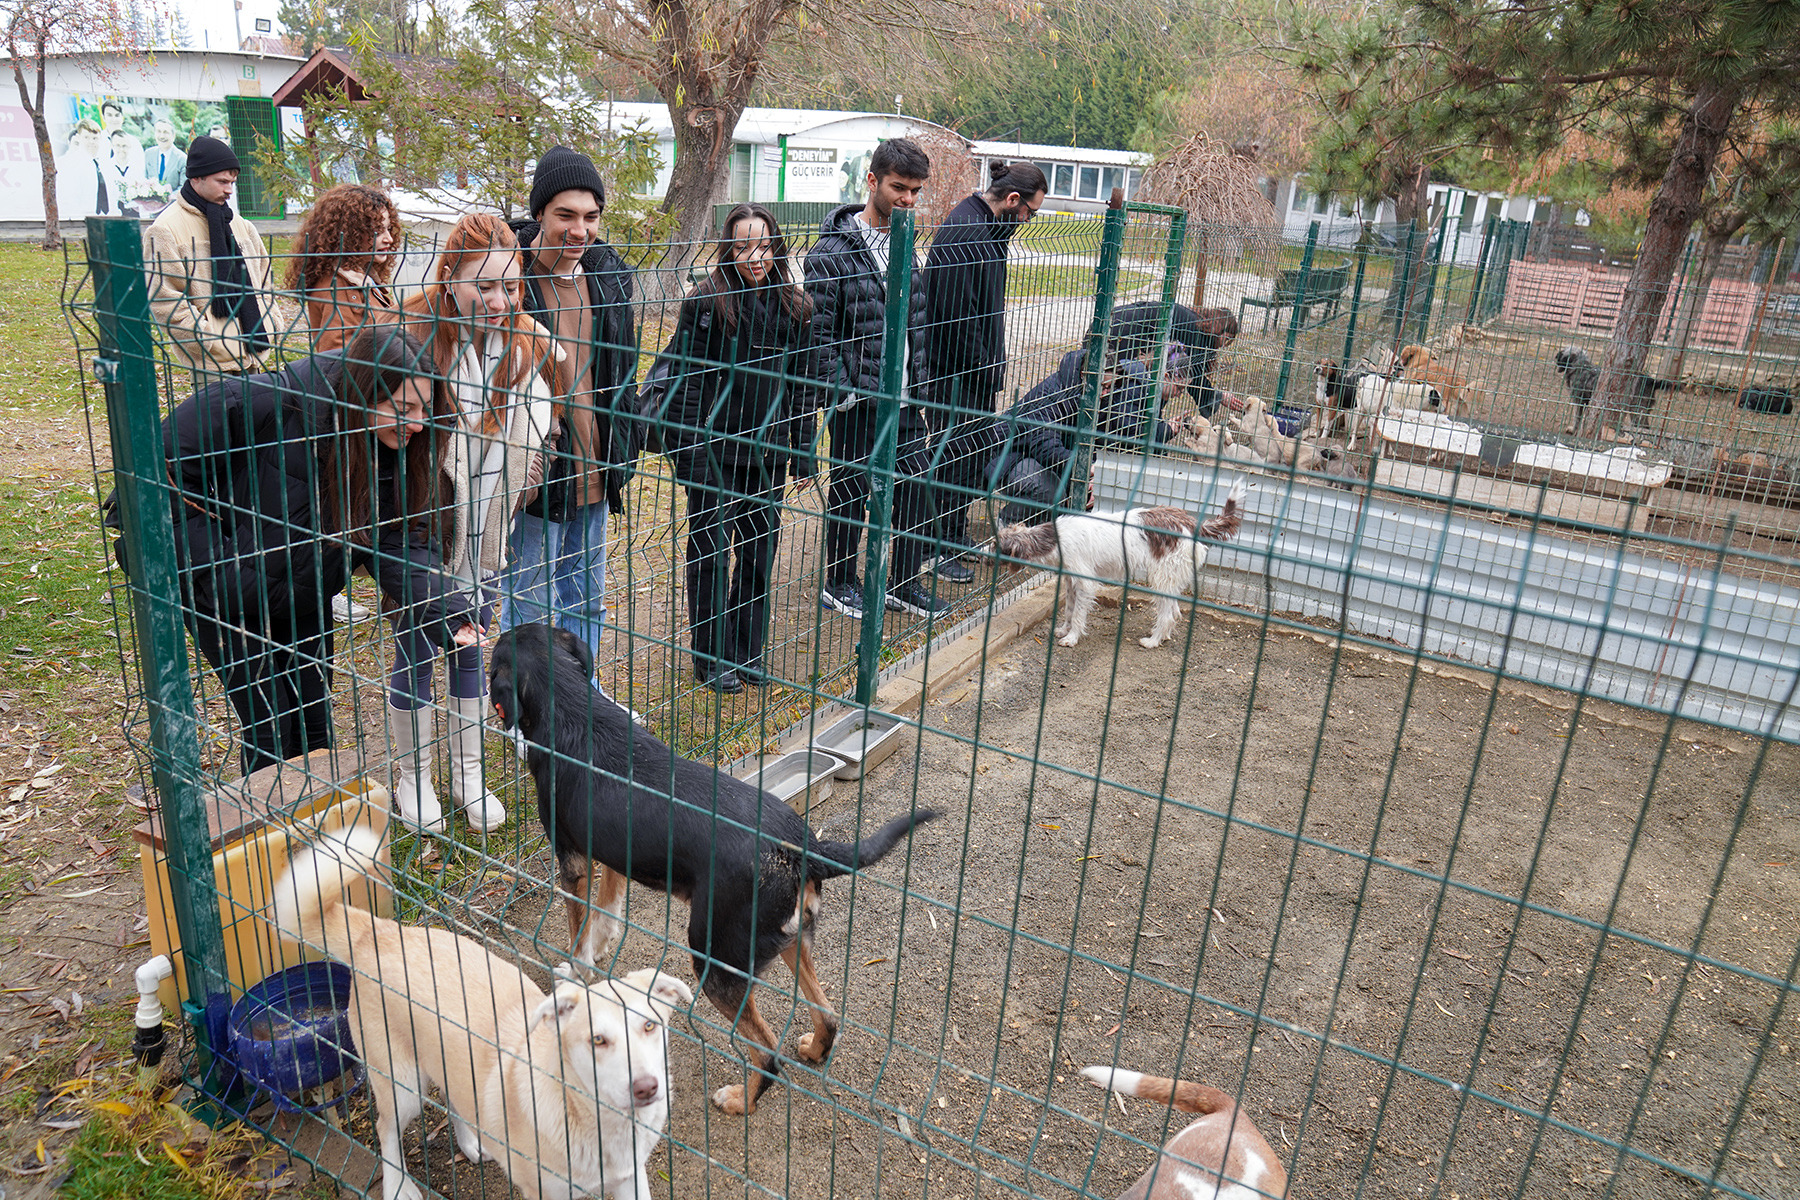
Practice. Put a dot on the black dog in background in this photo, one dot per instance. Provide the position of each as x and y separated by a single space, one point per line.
610 792
1581 375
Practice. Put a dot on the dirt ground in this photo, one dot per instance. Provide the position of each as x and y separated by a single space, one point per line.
1049 922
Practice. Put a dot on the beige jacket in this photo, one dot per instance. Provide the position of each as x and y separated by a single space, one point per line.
527 429
178 256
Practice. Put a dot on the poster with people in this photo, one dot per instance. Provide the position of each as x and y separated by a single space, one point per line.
115 155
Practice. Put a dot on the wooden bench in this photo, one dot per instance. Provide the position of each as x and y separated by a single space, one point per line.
1324 289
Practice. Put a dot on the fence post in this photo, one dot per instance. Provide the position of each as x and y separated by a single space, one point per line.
881 457
1112 248
1362 262
1481 264
1431 281
1293 337
126 367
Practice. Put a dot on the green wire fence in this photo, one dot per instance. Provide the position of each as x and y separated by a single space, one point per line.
1451 836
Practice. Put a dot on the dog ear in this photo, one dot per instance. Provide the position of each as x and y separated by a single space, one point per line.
579 650
558 1005
666 993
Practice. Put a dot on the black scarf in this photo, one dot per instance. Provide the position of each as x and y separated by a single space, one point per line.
232 295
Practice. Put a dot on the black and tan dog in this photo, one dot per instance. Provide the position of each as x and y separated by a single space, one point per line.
610 793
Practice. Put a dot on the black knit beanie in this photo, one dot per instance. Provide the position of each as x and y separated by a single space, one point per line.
208 156
560 170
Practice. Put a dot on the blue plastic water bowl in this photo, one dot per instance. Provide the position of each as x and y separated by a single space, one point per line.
1291 420
291 1034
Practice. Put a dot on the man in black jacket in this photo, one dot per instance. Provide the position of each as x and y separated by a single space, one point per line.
965 291
580 290
1024 452
846 276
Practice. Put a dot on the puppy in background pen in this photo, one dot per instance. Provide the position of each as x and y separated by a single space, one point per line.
1154 547
1222 1156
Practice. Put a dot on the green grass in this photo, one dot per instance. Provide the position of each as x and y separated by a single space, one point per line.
1032 280
38 370
1058 233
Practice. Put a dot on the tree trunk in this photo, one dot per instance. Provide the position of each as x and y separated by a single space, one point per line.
1677 205
40 132
703 129
1720 229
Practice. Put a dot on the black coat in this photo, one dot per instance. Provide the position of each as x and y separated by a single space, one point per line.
244 456
1134 334
718 415
1042 425
610 288
849 296
965 293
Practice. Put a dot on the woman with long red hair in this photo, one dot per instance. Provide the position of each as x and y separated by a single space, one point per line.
500 368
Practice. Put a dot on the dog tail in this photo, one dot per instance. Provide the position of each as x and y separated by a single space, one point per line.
308 901
1224 527
1179 1094
854 856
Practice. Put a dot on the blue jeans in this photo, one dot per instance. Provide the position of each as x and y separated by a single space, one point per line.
567 557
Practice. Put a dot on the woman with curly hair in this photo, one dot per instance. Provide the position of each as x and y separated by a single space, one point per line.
500 368
346 254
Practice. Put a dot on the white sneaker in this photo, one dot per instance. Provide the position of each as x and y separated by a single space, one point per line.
346 611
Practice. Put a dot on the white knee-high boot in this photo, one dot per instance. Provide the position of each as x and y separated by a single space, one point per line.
467 783
409 745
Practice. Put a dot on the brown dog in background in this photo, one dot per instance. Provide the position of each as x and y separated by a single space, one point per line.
1419 365
1221 1156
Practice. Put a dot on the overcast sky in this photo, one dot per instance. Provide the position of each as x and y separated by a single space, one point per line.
211 20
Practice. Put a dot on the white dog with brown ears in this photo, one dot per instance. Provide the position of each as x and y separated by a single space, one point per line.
1222 1156
1155 547
568 1092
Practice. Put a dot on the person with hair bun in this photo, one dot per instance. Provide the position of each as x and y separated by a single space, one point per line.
345 259
501 372
965 289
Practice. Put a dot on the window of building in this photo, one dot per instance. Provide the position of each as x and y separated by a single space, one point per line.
1131 184
1110 178
1090 183
740 173
1063 179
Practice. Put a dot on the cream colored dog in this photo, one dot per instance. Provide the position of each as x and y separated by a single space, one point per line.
568 1092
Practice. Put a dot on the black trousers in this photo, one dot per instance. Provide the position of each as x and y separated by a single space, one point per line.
847 499
278 681
959 459
728 608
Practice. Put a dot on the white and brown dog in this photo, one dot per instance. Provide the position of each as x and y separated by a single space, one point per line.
1221 1156
568 1092
1155 547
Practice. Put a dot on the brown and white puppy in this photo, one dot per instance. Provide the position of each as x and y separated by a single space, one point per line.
568 1092
1419 365
1221 1156
1153 547
1265 436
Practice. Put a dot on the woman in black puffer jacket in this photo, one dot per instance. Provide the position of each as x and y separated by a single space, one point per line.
734 424
285 483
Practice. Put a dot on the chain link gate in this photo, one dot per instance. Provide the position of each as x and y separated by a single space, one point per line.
1436 934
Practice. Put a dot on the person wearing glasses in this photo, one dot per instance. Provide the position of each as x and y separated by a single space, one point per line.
965 296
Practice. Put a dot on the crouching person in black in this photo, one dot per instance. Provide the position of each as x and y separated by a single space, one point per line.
1025 451
285 483
734 423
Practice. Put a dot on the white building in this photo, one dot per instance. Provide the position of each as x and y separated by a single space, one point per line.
119 126
810 154
1341 220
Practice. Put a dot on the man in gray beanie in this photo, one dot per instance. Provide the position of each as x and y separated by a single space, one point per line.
580 290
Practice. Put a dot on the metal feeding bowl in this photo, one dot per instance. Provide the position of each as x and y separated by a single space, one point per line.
291 1035
861 739
796 776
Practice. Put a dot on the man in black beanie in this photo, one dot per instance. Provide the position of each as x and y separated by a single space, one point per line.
580 290
209 273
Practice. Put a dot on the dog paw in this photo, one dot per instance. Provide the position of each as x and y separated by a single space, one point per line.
804 1049
731 1100
568 971
1149 643
408 1190
1068 639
